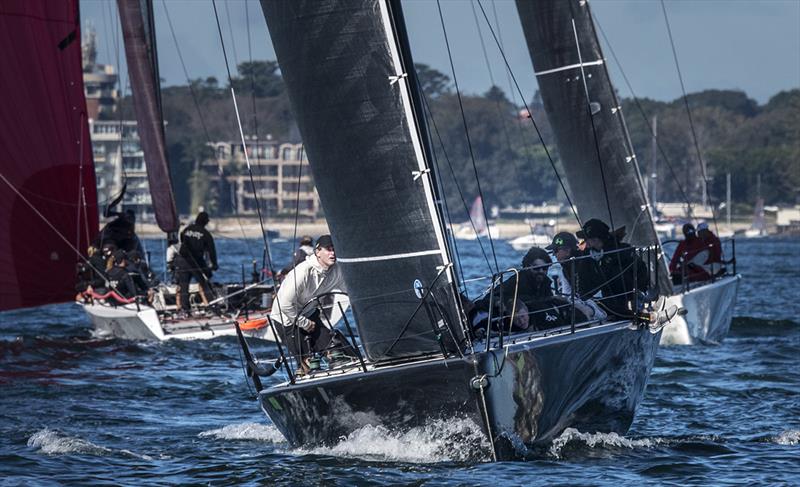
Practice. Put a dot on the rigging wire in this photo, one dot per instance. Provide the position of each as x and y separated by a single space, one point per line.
530 115
203 124
491 75
689 114
645 116
244 143
427 107
594 128
466 132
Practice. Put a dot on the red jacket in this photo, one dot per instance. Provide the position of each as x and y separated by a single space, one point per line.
685 252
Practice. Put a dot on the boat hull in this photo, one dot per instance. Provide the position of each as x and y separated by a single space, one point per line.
709 311
592 380
132 322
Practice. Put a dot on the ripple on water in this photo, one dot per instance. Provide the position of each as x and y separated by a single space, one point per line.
245 432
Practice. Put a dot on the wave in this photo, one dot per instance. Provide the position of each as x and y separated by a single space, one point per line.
788 438
453 440
51 442
246 431
572 438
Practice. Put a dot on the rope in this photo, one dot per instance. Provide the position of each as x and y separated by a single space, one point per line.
689 114
530 116
644 116
455 181
244 143
466 132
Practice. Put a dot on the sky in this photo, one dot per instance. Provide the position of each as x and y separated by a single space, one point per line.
747 45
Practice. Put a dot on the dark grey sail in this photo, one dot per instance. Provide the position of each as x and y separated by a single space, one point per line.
587 120
347 74
136 17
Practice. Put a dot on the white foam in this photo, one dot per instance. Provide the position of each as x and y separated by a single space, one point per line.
453 440
54 443
791 437
246 431
593 440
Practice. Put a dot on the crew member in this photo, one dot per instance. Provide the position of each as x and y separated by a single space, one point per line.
565 247
688 259
118 278
302 325
121 231
714 264
196 243
304 249
610 270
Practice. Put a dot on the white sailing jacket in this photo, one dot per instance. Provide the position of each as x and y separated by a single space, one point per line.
307 280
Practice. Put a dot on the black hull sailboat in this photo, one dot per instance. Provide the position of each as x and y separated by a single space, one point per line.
519 396
349 74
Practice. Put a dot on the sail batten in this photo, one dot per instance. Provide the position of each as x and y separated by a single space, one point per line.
350 90
140 52
595 150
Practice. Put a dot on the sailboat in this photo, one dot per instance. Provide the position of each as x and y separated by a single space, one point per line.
48 197
159 319
349 73
598 158
477 226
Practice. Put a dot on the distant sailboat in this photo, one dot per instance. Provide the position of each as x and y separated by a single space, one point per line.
477 227
598 157
160 319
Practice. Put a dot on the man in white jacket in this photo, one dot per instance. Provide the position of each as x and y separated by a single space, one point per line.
305 330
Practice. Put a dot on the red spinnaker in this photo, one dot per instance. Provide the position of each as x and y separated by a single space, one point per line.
48 196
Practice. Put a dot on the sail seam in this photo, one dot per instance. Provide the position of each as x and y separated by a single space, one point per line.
376 258
571 66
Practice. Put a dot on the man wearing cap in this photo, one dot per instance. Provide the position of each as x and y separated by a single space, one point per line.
304 329
565 247
688 259
304 249
533 290
611 268
196 243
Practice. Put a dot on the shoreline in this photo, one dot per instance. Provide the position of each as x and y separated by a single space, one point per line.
248 227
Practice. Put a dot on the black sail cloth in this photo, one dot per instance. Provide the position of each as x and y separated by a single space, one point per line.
343 68
569 64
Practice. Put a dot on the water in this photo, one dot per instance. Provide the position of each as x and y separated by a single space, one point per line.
74 409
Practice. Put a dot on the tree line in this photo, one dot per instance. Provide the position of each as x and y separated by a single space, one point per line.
735 134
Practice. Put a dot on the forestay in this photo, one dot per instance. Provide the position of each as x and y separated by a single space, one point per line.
138 34
346 67
48 197
587 118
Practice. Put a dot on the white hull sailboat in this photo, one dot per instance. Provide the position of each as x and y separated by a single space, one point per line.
708 313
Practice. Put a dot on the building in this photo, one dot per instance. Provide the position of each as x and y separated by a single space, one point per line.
118 159
281 173
118 156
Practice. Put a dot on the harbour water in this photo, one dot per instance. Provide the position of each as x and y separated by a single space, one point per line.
76 409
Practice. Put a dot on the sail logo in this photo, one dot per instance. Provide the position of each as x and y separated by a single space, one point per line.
419 289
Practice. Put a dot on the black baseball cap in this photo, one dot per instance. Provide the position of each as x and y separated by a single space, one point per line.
688 229
562 240
324 241
593 228
119 256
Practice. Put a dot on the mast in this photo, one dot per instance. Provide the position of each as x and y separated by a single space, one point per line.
48 193
654 173
138 31
349 75
587 120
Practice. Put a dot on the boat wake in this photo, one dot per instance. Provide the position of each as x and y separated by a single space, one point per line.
787 438
454 440
51 442
246 432
572 440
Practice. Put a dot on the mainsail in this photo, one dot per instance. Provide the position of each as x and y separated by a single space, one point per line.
48 197
587 119
138 33
351 83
